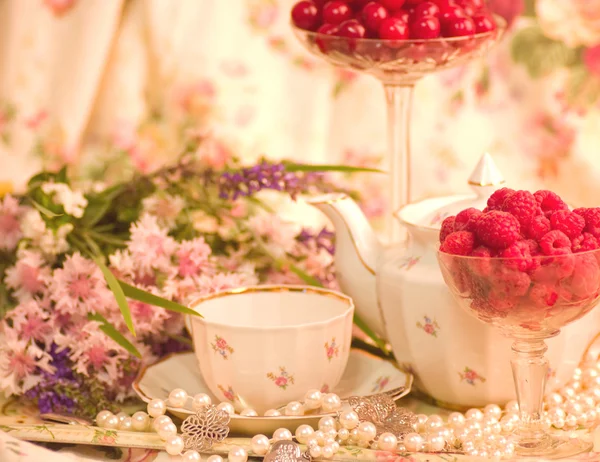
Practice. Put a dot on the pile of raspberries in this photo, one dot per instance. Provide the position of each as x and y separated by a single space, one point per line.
534 256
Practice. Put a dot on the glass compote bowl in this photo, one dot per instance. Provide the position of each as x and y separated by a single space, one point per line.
399 64
529 300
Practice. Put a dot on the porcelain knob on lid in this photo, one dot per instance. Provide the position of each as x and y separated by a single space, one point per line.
485 179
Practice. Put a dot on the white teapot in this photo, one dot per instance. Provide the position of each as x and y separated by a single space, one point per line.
400 294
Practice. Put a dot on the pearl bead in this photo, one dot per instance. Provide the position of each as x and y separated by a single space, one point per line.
140 421
174 445
349 419
366 431
320 436
260 445
303 433
571 420
474 414
102 416
313 399
327 452
327 423
592 416
111 422
413 442
436 443
493 410
434 422
166 430
419 424
200 400
237 454
512 406
249 412
343 434
272 413
161 420
456 420
554 399
315 452
126 424
122 416
335 446
312 441
569 392
156 407
331 402
294 408
214 458
387 442
282 434
191 456
507 425
178 397
227 407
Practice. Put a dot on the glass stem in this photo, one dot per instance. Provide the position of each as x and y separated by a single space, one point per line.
530 369
399 105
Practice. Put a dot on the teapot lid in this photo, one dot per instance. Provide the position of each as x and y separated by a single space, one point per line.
430 213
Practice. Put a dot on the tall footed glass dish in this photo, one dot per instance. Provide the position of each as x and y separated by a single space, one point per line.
529 300
398 61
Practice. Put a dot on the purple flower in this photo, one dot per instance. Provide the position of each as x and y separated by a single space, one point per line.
324 239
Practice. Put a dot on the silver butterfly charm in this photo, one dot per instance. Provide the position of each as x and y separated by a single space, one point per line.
206 427
382 411
286 451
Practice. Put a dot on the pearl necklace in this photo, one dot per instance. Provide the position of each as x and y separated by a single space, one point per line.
479 433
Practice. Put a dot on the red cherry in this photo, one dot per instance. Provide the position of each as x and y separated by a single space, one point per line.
352 29
393 5
372 15
425 28
458 27
426 9
413 2
451 11
324 43
319 3
336 12
401 14
305 15
484 23
358 5
393 29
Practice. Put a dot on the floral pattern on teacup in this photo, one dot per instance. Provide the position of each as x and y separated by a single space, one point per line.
104 436
408 263
331 349
221 346
470 376
228 393
283 380
380 384
325 388
430 326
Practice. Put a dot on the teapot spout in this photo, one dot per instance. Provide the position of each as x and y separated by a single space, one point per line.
357 252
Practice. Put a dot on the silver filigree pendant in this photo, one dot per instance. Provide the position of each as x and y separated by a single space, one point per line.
381 410
286 451
206 427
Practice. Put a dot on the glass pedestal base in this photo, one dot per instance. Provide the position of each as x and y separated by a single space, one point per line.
552 448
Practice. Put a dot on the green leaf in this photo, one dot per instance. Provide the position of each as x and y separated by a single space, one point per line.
151 299
117 290
112 332
369 333
305 276
44 210
290 167
95 211
541 55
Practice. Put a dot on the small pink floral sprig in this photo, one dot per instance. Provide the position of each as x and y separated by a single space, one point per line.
221 347
283 380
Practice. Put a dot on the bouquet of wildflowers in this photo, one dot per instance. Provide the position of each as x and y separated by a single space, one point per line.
94 278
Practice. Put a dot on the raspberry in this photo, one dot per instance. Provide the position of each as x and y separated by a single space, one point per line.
497 198
550 202
518 256
522 205
482 265
543 295
447 228
568 222
538 226
459 243
584 243
466 220
555 243
510 283
592 220
586 276
493 306
497 229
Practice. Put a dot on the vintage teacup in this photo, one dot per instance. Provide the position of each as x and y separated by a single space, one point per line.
262 347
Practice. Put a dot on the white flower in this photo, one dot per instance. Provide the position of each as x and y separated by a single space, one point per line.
73 202
279 236
48 241
165 207
575 22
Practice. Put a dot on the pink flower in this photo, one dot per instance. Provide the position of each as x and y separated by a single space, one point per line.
279 236
165 207
34 121
591 58
221 344
470 375
10 227
59 7
224 281
284 277
215 153
429 328
576 22
150 245
27 277
193 257
19 361
281 381
148 319
79 287
30 321
195 97
264 15
508 9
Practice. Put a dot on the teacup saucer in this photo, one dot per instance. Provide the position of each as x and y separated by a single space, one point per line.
365 375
